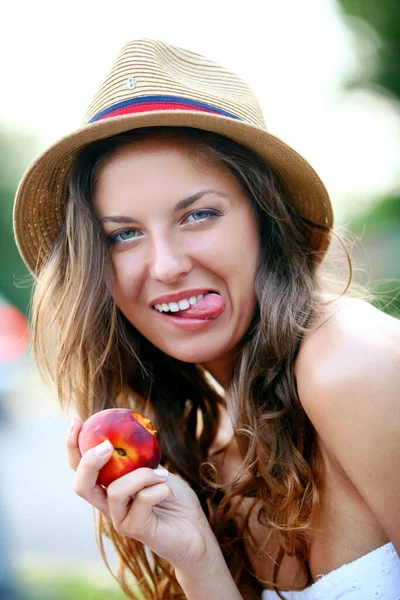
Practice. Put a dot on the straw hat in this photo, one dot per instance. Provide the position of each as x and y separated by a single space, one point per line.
156 84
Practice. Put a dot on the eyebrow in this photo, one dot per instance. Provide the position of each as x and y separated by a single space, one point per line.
181 205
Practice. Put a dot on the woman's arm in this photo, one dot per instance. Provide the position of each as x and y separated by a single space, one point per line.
209 580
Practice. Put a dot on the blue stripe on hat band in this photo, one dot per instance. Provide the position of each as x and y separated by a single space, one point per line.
161 99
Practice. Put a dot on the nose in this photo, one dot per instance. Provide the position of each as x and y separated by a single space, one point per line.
169 261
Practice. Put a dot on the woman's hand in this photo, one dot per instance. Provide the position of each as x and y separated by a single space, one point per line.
154 507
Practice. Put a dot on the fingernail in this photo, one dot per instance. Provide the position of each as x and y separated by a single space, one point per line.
103 448
160 472
71 426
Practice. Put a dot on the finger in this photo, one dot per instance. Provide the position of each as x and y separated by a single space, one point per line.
141 515
74 455
123 490
85 484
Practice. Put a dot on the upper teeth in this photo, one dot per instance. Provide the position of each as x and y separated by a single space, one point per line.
181 305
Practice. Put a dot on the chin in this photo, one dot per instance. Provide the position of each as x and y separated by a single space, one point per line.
195 353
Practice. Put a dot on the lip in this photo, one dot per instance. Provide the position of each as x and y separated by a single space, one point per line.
167 298
185 324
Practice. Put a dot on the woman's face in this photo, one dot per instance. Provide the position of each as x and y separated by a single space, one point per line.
178 229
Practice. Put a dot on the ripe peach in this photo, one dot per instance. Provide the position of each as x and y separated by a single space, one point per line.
132 436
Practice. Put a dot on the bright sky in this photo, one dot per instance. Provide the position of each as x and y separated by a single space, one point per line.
295 55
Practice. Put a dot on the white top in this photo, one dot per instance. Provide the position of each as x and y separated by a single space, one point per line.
372 576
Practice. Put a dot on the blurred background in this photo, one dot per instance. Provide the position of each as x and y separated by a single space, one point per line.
327 75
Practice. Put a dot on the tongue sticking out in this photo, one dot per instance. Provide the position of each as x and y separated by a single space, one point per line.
210 307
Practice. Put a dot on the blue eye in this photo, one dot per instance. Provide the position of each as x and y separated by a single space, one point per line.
126 235
203 214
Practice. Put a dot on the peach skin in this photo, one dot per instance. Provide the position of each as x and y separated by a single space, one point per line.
133 439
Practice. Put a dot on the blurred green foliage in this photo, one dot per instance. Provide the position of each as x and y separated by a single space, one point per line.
379 230
52 585
380 225
384 17
16 149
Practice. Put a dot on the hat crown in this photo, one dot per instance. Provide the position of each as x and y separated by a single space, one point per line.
148 71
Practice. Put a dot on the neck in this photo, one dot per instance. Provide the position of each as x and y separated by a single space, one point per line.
222 368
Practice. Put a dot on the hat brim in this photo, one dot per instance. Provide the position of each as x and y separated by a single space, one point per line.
42 193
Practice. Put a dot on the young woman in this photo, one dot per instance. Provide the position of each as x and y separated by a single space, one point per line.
178 250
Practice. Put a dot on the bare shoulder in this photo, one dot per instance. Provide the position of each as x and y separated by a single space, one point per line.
348 380
351 348
349 336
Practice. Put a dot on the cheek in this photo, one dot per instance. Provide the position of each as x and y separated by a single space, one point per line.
238 249
128 278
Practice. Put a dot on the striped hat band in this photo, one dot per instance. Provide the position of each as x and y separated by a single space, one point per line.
152 103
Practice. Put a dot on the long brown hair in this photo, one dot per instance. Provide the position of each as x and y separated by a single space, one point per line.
98 360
